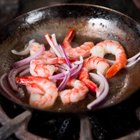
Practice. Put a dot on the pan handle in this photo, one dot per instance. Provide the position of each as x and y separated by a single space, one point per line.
12 125
85 129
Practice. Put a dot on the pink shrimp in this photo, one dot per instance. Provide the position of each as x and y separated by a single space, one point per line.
75 53
44 64
77 93
112 47
42 91
92 63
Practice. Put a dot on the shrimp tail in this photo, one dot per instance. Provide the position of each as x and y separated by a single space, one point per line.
23 80
91 85
114 69
84 78
69 37
27 79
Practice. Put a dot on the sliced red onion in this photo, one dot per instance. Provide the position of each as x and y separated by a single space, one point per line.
4 87
26 49
76 72
130 62
73 71
24 72
57 76
12 76
64 82
133 57
56 44
28 59
65 56
99 79
102 95
52 45
62 67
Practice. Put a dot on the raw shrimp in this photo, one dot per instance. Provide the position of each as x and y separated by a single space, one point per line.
42 91
111 47
75 53
92 63
78 92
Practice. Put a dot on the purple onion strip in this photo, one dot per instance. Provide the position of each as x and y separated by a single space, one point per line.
65 56
26 49
28 59
64 82
130 62
102 95
62 75
99 79
24 72
5 86
12 75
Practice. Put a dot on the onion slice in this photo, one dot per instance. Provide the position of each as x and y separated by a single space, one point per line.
28 59
133 57
5 86
52 45
99 79
64 82
130 62
12 76
102 95
65 56
26 49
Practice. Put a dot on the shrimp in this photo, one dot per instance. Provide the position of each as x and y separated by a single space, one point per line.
112 47
75 53
92 63
77 93
42 91
38 67
44 64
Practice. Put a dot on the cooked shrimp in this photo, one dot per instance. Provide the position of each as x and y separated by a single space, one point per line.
35 47
112 47
42 91
38 67
92 63
43 65
77 93
49 56
75 53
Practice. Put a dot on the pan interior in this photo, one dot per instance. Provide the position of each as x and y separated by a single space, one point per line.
92 23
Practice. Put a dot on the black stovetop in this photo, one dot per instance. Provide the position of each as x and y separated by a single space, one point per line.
111 123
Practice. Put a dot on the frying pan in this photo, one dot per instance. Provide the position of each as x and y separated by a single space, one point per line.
92 23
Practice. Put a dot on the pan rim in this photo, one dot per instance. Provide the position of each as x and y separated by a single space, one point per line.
70 4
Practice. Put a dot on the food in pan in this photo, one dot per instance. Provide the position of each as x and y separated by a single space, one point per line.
66 72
